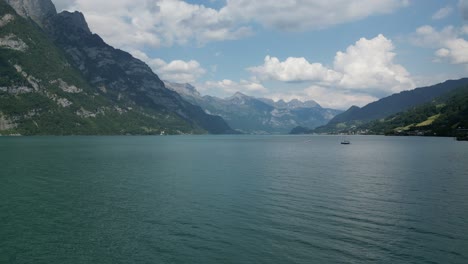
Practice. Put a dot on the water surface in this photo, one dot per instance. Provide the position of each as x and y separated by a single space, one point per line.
233 199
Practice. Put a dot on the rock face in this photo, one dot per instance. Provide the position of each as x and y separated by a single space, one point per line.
104 66
38 10
13 42
7 18
74 20
62 79
6 124
121 77
184 89
293 104
258 115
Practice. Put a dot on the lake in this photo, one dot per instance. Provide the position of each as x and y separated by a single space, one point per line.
233 199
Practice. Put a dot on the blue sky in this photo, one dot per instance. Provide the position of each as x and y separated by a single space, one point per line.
336 52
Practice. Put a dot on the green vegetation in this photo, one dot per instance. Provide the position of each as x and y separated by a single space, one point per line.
44 107
429 121
444 116
356 117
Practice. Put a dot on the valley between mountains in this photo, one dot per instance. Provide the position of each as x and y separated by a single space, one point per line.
59 78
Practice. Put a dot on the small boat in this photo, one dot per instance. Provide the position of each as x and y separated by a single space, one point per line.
345 142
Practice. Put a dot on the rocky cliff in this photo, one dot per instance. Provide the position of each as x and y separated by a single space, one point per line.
106 79
38 10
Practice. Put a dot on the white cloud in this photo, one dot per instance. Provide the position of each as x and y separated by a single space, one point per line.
448 43
464 30
443 53
63 4
293 70
297 15
427 36
137 23
175 71
442 13
367 66
230 87
363 73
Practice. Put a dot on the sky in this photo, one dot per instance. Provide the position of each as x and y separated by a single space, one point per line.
338 53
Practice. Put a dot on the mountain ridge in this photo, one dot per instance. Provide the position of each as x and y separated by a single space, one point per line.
124 85
257 115
356 116
444 116
38 11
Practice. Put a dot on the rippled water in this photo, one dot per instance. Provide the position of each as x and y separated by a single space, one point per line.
233 199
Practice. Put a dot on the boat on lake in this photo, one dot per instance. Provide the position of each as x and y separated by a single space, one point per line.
345 141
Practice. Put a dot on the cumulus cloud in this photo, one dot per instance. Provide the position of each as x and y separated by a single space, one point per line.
367 66
136 23
230 87
442 13
448 43
175 71
139 24
362 73
294 70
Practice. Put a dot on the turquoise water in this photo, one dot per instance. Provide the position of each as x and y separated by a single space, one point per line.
233 199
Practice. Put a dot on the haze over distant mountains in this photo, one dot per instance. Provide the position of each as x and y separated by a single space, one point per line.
57 77
60 78
258 115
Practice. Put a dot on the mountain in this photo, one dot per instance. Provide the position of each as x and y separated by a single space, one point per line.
258 115
384 107
299 130
443 116
293 104
37 10
59 78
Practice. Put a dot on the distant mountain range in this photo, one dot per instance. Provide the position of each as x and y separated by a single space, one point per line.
58 78
356 117
258 115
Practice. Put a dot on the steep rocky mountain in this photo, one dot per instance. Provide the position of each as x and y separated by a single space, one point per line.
258 115
293 104
59 78
37 10
355 116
